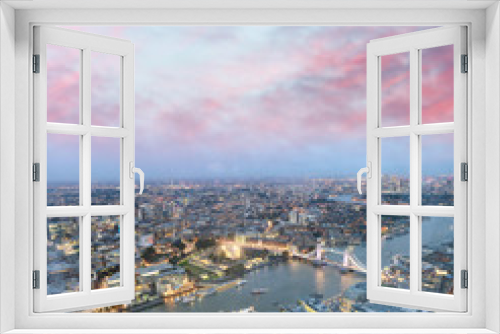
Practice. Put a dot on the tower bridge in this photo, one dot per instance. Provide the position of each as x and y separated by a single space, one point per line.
349 260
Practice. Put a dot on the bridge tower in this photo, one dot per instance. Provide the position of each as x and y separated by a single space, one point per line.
319 250
347 256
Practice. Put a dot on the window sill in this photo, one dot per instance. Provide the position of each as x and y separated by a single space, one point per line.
249 331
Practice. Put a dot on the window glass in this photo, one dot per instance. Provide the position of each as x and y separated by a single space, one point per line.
395 170
106 170
437 84
63 255
395 257
63 84
105 89
437 254
395 89
105 252
63 170
437 170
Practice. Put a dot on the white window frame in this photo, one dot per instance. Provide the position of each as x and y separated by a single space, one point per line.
483 49
125 132
412 44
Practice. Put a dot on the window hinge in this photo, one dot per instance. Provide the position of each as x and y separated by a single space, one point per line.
465 64
36 172
36 279
464 171
465 279
36 63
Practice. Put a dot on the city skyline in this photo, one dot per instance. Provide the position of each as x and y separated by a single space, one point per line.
252 246
274 102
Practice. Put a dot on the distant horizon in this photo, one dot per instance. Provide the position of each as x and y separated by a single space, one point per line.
247 178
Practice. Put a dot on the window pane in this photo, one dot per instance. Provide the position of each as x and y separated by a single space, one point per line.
106 77
437 170
105 252
105 171
395 259
395 170
63 255
437 84
437 254
395 90
63 84
63 170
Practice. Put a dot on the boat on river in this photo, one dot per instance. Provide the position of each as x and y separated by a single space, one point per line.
188 299
250 309
260 291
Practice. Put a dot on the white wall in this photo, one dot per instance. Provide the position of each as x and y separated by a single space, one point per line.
23 157
492 166
7 159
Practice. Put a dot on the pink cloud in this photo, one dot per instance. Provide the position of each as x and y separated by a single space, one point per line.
63 84
437 85
289 93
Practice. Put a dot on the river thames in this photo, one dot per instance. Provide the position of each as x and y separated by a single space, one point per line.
287 282
290 281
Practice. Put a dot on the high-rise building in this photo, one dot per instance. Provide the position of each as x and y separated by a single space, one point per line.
303 218
294 217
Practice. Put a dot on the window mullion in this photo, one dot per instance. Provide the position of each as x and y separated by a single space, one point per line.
434 211
85 165
67 129
434 129
86 138
85 254
109 210
414 169
66 211
392 210
109 132
394 131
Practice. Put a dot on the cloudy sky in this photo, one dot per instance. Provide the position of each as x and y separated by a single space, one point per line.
249 101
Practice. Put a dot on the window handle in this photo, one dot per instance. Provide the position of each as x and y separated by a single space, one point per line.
139 171
368 171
